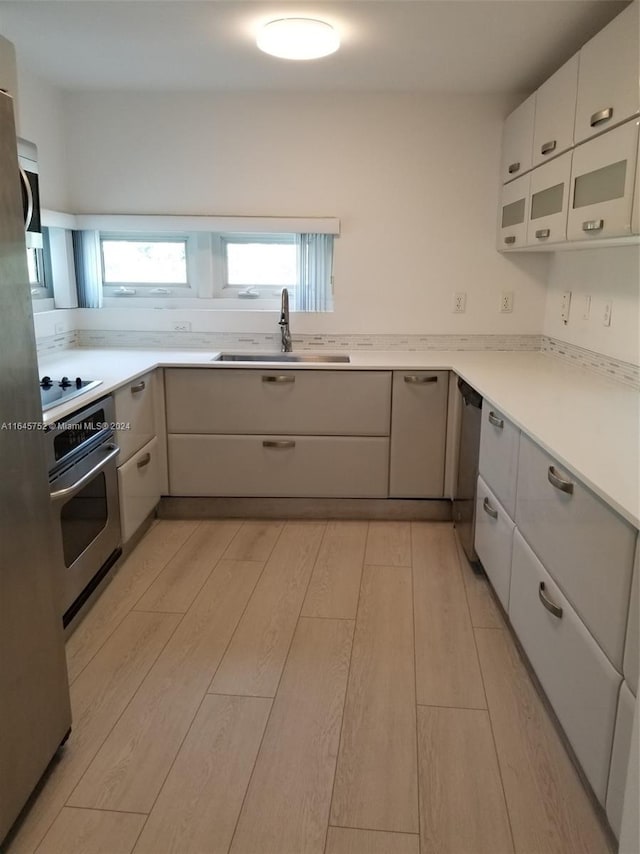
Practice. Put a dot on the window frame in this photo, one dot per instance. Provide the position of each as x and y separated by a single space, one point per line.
162 290
223 289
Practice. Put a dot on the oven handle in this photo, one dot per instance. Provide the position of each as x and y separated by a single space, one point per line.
69 491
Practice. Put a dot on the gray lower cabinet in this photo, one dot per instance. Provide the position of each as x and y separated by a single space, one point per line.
279 466
620 758
278 433
576 675
418 434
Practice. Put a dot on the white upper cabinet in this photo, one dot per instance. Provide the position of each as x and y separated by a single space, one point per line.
512 217
602 185
549 202
555 113
517 140
608 79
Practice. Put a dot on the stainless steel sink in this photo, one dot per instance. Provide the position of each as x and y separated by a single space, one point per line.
283 357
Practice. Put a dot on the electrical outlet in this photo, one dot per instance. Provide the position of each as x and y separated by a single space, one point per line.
586 307
181 326
506 301
459 303
565 306
606 316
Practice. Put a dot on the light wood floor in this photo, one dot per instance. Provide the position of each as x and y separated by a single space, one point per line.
304 688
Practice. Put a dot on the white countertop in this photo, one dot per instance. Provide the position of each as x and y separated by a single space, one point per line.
589 424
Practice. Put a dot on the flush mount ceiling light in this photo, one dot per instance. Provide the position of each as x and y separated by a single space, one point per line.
298 38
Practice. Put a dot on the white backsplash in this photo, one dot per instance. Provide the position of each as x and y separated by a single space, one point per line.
606 366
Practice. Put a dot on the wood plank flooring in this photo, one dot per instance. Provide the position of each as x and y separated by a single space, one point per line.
267 687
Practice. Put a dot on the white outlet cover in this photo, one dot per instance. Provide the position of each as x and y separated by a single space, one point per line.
606 317
586 310
565 306
459 302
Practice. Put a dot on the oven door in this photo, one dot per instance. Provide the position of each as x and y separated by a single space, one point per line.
86 508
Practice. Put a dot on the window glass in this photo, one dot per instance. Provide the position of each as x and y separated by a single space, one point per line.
513 214
144 261
266 262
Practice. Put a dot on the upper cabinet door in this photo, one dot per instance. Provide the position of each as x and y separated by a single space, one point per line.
555 113
512 217
549 193
602 182
608 79
517 140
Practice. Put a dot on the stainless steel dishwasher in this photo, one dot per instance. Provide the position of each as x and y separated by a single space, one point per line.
464 503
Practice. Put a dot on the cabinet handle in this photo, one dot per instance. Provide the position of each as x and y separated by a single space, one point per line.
278 443
559 482
411 378
554 609
279 379
488 509
548 147
513 168
510 239
497 422
541 233
138 387
600 117
144 461
593 225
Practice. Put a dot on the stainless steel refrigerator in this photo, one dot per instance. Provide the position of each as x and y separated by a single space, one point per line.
35 715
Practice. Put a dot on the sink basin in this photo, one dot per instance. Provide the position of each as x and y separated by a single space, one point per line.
283 357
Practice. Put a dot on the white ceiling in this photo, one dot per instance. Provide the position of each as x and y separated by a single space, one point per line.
387 45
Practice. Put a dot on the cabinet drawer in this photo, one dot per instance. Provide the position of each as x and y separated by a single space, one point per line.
517 140
139 488
418 434
279 466
340 403
608 85
586 547
602 183
632 644
549 202
512 218
620 758
555 113
134 405
494 540
579 681
498 461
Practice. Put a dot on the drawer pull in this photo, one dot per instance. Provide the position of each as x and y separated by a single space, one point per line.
559 482
489 510
280 379
541 233
551 607
600 117
278 443
548 147
138 387
144 461
593 225
412 378
515 167
511 239
497 422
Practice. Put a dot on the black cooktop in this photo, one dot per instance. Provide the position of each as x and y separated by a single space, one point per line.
54 392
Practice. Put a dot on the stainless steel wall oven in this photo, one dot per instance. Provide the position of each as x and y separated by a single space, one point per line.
84 493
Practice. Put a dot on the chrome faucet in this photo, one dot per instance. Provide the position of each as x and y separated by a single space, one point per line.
283 323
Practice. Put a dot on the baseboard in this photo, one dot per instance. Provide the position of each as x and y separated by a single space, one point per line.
426 510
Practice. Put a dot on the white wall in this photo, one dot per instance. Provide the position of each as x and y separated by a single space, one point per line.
610 274
413 179
41 119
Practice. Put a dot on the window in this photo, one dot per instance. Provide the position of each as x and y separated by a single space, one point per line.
203 262
159 263
39 269
258 265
